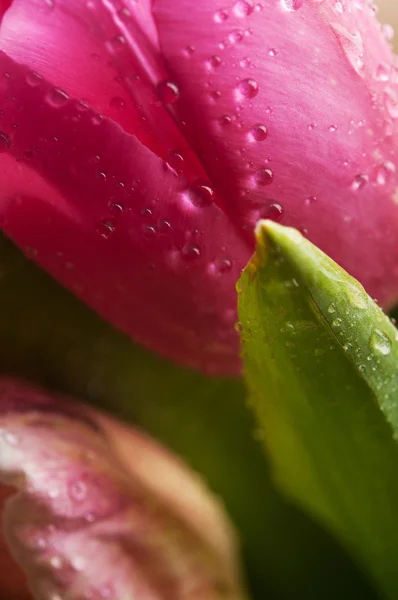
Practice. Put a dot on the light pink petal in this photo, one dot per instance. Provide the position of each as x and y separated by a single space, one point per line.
104 512
292 106
107 195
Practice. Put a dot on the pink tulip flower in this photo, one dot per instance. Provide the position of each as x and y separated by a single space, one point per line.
141 142
104 512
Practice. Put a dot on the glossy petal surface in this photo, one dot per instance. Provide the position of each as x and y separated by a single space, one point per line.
106 193
142 141
103 512
297 102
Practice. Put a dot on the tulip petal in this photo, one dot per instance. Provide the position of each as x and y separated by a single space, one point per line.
104 512
292 105
116 207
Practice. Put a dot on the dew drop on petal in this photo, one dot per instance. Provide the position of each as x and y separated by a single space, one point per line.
149 231
78 490
359 182
168 92
124 14
225 120
243 8
236 36
263 176
105 229
220 16
258 133
175 161
382 72
117 103
214 62
188 51
164 226
33 79
274 212
5 141
116 44
200 193
57 98
190 252
247 88
223 265
290 5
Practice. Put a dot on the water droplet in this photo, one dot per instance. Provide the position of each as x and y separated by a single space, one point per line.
78 490
117 103
263 176
382 72
40 542
200 193
380 342
243 8
333 128
57 98
225 120
382 175
388 32
5 141
190 252
215 95
274 212
117 43
33 79
236 36
337 322
168 92
124 14
359 182
331 309
310 200
258 133
220 16
56 562
214 62
272 52
105 229
149 231
356 295
164 226
245 62
97 119
247 88
146 212
116 208
188 51
391 101
223 265
291 5
175 161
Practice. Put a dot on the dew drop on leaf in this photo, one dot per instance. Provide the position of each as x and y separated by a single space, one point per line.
380 342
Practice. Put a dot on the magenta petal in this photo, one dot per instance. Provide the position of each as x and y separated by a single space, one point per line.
104 512
120 212
293 107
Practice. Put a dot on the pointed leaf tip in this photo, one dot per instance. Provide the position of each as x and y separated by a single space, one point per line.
321 361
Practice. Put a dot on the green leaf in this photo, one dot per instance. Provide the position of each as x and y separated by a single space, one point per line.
321 361
48 336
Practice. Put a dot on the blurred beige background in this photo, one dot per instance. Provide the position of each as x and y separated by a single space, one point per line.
388 13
